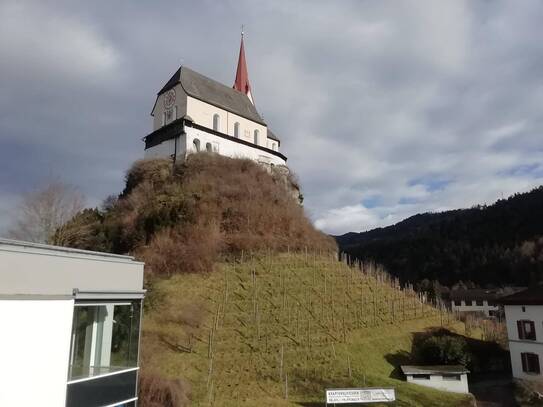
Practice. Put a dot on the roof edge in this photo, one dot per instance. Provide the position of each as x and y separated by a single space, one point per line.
21 244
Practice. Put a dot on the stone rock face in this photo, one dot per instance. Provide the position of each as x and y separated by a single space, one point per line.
288 179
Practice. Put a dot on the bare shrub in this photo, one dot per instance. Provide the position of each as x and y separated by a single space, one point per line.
193 249
254 209
182 219
157 391
156 172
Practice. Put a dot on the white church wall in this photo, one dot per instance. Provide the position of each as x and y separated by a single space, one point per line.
162 150
202 114
180 104
273 145
166 149
229 148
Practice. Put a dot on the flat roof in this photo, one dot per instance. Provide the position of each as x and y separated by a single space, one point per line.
434 369
31 246
34 270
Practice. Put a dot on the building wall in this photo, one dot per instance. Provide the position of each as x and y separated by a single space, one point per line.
166 149
34 352
48 272
515 350
437 382
162 150
180 102
468 307
514 313
202 113
228 148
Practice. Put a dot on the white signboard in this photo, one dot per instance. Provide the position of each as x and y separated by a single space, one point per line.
343 396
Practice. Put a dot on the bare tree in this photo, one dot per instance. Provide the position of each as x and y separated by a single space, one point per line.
43 212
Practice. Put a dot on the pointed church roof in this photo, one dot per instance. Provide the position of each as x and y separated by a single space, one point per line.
242 76
215 93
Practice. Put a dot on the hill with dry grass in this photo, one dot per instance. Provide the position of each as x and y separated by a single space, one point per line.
246 302
185 218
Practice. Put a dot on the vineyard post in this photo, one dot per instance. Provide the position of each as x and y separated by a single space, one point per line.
286 386
281 364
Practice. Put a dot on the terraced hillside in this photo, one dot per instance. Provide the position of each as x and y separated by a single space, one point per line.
277 330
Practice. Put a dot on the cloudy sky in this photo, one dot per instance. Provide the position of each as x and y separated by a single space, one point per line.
385 108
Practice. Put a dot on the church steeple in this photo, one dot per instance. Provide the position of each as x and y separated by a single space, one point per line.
242 77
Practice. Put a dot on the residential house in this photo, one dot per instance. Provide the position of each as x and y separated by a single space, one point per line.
524 318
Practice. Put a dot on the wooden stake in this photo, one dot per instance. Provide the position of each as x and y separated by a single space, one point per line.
281 364
286 385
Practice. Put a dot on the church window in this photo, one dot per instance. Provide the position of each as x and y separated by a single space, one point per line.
274 147
196 145
168 116
215 147
163 118
216 122
236 130
175 112
256 137
209 149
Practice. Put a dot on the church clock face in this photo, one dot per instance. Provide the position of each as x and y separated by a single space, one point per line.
169 99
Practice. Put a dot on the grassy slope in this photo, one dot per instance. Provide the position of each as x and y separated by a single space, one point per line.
237 320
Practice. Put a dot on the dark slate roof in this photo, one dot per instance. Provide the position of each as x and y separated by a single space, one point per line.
437 369
475 294
530 296
272 135
215 93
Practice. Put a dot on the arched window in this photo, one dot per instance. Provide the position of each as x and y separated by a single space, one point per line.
216 122
256 137
196 145
209 148
236 130
274 147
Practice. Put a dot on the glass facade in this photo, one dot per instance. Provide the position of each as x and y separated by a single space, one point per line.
105 338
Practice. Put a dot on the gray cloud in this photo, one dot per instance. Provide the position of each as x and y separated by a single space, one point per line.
426 105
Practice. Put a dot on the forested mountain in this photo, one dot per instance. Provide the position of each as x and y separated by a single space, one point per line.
488 245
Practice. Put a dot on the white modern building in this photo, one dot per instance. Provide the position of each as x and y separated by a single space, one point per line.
447 378
194 113
70 325
524 317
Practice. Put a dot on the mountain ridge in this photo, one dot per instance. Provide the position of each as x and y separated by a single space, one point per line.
477 244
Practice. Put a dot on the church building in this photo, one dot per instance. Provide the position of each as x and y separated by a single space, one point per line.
194 113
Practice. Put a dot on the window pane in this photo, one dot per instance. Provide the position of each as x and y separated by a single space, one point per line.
124 347
104 338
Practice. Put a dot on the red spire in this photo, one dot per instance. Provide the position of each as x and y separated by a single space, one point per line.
242 77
